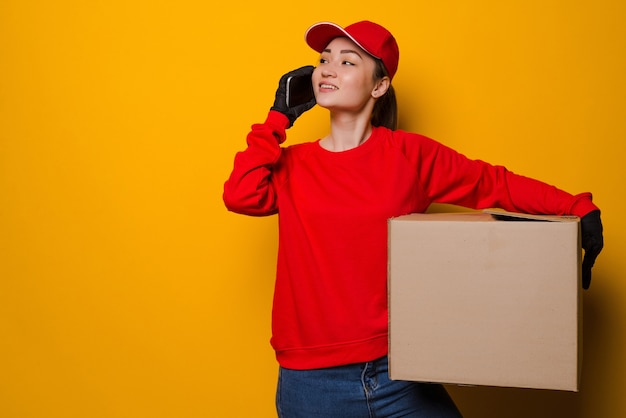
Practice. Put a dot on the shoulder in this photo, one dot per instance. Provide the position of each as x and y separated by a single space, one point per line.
301 148
299 151
403 140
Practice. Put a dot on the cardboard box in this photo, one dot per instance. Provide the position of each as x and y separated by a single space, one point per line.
478 299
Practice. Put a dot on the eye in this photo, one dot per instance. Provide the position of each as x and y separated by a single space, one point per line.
347 63
323 60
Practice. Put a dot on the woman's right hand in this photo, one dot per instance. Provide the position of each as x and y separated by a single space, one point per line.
280 101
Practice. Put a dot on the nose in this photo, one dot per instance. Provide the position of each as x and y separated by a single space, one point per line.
328 71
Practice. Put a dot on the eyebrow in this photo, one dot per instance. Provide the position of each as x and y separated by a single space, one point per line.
345 51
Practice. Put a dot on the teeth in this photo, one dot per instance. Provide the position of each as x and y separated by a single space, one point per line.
328 86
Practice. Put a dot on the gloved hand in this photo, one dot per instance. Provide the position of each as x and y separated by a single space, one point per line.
592 243
280 102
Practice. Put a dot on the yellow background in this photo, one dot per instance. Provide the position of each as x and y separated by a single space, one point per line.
127 289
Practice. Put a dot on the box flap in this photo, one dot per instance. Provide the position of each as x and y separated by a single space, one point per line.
504 215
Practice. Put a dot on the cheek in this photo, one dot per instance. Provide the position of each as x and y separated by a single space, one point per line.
315 79
316 76
360 85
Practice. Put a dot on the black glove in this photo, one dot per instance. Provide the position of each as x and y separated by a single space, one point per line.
592 243
280 102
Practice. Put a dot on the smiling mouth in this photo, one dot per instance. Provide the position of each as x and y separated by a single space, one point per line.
328 87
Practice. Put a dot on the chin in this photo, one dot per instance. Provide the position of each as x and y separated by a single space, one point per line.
324 103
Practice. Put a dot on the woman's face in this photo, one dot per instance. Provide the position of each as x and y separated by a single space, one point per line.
344 78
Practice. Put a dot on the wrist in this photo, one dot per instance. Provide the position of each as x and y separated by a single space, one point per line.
582 205
279 123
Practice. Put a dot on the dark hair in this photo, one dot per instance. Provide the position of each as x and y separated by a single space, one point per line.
385 111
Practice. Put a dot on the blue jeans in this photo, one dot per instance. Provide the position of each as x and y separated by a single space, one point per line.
361 390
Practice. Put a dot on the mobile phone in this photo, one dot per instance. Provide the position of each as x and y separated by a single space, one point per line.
299 90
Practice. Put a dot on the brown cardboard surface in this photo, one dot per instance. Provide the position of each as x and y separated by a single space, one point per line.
475 300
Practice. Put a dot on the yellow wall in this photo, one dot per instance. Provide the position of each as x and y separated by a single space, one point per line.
126 288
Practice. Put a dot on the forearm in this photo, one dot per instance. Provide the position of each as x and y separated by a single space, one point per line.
249 189
528 195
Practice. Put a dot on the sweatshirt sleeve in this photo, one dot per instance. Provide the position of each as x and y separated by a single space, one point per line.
450 177
249 189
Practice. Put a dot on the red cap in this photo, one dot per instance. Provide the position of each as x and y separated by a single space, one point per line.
371 37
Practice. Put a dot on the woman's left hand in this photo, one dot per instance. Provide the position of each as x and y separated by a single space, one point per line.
592 243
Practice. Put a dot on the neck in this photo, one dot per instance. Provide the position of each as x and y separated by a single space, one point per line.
346 133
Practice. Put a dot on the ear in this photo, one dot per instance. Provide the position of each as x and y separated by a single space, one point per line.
381 87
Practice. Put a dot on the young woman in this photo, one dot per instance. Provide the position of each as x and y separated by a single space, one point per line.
333 197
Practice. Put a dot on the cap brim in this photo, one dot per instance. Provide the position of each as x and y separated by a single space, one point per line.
319 35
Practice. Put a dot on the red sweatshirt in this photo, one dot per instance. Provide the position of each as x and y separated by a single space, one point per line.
330 298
